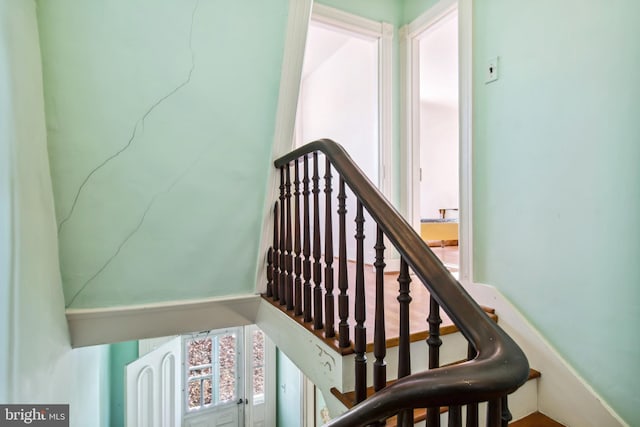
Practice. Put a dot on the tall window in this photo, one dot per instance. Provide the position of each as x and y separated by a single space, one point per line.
257 366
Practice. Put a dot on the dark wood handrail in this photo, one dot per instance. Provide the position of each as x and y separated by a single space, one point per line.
499 366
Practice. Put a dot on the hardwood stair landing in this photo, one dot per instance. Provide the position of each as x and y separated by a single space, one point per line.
419 310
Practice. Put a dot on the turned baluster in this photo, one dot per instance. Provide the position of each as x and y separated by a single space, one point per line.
472 408
276 254
455 416
289 241
404 299
360 331
405 418
298 259
343 284
317 266
307 245
329 315
434 342
283 257
494 413
270 272
379 340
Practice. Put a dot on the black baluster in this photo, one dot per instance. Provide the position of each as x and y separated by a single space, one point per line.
455 416
289 289
276 253
434 342
343 283
494 413
298 267
283 256
379 340
270 272
329 330
404 299
308 316
317 267
404 352
472 408
360 331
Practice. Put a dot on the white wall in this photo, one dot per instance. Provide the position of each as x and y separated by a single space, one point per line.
439 118
339 101
37 364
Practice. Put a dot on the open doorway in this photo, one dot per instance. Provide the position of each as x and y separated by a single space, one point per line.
439 184
345 95
434 137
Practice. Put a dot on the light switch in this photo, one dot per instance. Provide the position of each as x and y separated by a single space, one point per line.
492 70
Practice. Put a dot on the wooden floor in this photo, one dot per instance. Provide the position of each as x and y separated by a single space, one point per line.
449 255
419 307
536 419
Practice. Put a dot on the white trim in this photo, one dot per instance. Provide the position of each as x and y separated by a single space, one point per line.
283 139
410 141
560 389
430 17
115 324
346 21
465 110
385 108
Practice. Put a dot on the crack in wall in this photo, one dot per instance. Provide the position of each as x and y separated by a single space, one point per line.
138 226
139 123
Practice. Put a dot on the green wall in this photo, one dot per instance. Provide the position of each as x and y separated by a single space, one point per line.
160 119
120 355
37 364
556 179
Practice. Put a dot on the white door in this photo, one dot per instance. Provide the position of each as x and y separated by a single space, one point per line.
152 393
199 381
214 373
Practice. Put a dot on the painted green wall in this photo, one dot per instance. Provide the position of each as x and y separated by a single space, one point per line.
556 179
160 118
37 364
377 10
120 355
414 8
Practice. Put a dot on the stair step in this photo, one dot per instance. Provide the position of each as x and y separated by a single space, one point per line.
348 398
536 419
445 329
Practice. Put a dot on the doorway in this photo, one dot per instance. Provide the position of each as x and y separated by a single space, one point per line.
206 379
435 145
345 95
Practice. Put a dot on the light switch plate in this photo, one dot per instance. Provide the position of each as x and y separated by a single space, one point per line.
492 70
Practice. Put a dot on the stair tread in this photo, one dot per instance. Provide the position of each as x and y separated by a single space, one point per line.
348 398
537 419
417 334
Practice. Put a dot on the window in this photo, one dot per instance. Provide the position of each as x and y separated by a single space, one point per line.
211 364
257 366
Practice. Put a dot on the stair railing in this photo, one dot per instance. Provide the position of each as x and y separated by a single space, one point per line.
496 366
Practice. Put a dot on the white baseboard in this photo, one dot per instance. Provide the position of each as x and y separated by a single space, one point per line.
116 324
562 394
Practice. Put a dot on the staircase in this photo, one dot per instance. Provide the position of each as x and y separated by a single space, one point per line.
333 315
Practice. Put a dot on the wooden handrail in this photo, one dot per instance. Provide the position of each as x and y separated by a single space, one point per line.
499 366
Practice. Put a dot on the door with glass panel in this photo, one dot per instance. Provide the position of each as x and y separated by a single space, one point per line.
213 383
